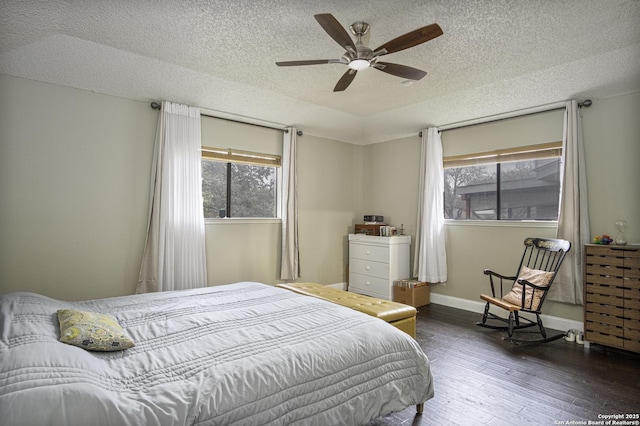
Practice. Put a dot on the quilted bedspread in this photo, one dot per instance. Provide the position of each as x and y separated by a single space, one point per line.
239 354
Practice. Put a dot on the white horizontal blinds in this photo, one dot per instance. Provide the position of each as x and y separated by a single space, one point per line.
522 153
238 156
239 137
504 135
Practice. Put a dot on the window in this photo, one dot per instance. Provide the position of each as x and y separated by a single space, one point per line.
511 184
239 183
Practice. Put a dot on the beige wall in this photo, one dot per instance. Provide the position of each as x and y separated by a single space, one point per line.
329 195
612 150
391 175
74 184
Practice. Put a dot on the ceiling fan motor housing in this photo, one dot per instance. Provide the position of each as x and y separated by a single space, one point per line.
363 54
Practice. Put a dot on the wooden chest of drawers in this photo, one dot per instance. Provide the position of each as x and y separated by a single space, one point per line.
375 262
612 296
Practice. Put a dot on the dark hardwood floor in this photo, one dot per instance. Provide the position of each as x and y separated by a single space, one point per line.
482 379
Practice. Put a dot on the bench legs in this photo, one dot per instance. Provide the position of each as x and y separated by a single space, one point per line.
419 408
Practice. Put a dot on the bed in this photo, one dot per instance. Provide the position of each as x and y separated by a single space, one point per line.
239 354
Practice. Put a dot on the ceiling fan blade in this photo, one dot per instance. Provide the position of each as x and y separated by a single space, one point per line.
345 80
310 62
411 39
335 30
400 70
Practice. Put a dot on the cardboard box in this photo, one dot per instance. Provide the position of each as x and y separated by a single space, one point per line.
411 292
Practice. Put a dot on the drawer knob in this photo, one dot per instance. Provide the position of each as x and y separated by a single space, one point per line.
368 268
368 252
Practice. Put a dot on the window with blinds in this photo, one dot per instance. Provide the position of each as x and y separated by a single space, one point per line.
239 184
241 180
521 183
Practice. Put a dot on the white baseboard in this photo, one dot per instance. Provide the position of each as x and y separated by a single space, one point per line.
339 286
552 322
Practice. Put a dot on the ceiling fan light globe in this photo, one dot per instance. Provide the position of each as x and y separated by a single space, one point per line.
359 64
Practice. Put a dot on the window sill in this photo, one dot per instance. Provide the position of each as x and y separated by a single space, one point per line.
242 220
504 223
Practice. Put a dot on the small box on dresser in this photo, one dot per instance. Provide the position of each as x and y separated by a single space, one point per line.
612 296
368 229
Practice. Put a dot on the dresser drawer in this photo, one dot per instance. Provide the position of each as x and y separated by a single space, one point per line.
372 269
369 252
370 286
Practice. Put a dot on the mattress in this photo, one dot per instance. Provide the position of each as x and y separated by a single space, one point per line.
239 354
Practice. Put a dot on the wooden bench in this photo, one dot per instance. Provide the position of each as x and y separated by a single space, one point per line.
399 315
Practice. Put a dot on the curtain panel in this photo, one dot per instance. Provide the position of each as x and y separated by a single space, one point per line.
290 263
573 220
174 255
430 256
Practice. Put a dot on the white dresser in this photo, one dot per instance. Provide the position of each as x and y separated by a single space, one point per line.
375 262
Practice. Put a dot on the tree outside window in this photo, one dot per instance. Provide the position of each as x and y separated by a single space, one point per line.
239 189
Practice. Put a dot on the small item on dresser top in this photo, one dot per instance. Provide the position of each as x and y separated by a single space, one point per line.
385 231
373 219
368 229
603 239
621 225
388 231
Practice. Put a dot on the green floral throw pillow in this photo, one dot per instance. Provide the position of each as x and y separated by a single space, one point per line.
92 331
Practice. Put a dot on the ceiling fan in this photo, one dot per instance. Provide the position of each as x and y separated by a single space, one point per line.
358 56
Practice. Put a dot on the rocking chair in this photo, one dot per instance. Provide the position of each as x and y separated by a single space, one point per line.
527 290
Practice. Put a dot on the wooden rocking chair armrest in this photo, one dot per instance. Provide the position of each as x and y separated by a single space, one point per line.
502 278
495 274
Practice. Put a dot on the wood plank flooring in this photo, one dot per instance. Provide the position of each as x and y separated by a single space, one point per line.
482 379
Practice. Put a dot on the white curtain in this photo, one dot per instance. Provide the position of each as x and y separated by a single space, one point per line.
430 257
290 263
573 221
174 256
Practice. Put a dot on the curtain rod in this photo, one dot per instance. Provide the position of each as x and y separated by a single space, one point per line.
156 105
519 113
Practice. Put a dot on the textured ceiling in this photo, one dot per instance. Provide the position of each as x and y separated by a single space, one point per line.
494 56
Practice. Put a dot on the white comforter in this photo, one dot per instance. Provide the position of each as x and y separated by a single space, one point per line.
241 354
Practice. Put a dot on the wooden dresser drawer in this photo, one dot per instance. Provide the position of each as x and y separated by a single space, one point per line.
604 339
599 318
